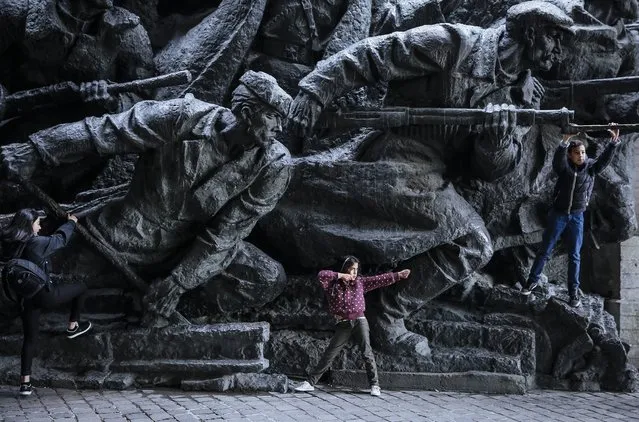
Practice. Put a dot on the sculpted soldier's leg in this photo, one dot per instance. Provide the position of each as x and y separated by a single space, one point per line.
253 279
432 273
204 260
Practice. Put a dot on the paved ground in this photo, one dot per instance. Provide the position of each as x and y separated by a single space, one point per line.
326 405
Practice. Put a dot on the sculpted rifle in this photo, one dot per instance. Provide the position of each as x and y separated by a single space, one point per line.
67 92
567 92
389 117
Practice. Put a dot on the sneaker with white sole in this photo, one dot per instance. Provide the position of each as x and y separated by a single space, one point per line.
529 289
79 329
305 386
376 391
575 302
25 389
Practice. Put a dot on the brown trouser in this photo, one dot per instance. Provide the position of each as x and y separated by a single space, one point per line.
358 328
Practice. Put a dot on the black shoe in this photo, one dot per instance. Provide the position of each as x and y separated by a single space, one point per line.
79 329
529 289
575 302
25 389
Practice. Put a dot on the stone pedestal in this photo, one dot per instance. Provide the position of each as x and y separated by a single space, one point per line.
170 356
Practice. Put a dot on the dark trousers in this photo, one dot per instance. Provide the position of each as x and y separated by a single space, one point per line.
358 328
572 226
46 299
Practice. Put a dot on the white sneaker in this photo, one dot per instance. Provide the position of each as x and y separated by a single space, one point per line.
376 391
305 386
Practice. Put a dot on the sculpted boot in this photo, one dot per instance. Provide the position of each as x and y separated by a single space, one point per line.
160 302
391 336
432 273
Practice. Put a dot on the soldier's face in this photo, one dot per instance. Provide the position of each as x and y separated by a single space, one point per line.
267 126
546 48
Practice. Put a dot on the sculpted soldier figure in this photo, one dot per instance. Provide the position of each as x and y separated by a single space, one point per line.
294 35
284 38
43 42
395 203
205 175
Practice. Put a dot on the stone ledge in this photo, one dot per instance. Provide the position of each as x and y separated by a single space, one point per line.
215 341
190 368
240 382
471 381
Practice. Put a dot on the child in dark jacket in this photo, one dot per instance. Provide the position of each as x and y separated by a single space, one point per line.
21 239
576 176
345 292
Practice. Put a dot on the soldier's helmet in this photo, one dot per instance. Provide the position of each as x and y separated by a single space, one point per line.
264 87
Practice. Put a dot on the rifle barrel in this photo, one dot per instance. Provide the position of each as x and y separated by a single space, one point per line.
629 127
404 116
591 87
67 92
170 79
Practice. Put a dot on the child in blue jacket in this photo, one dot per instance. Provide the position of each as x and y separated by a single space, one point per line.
576 177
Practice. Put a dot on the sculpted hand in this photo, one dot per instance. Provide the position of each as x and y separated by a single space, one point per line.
403 274
19 160
499 124
530 90
95 92
304 113
614 134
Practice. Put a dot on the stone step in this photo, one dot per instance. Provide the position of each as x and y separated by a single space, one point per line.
503 339
499 338
469 382
462 359
236 341
242 340
454 359
294 353
86 353
190 368
194 374
44 376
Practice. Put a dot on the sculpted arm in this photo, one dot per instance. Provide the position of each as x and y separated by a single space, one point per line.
146 126
400 55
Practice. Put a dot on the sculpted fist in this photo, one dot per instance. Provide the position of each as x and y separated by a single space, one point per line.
500 122
19 160
304 113
95 92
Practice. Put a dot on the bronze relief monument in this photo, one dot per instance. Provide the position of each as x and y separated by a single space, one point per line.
412 134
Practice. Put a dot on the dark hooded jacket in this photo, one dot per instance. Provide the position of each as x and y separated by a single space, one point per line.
574 184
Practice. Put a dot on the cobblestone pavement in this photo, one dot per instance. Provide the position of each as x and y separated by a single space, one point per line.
325 405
